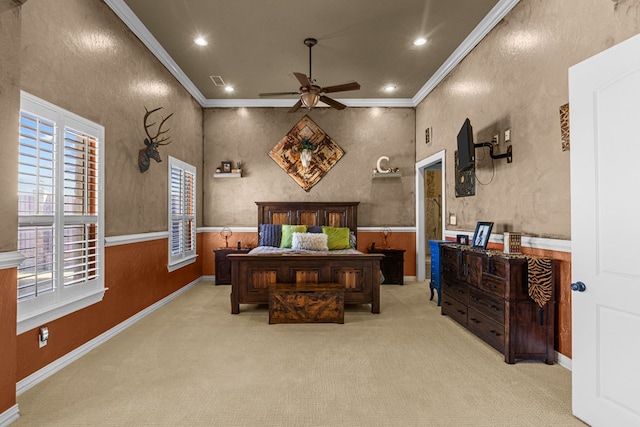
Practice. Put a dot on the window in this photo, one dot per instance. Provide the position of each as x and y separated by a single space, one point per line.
60 213
182 213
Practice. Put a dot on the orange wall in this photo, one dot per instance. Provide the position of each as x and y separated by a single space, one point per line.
396 240
8 313
137 277
213 241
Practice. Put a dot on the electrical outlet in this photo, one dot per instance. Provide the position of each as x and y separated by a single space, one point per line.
453 220
507 135
43 336
496 139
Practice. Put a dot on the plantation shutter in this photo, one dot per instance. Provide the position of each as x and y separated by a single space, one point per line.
80 207
36 205
182 212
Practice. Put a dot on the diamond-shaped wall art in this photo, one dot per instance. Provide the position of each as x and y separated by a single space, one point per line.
325 154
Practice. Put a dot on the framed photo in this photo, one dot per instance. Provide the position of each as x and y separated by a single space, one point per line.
481 235
226 167
462 239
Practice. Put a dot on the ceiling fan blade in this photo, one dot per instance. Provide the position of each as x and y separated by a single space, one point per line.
278 93
295 107
341 88
303 79
332 103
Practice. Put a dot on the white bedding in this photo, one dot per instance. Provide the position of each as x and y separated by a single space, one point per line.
270 250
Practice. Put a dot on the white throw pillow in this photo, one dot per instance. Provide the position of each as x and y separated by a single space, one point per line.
310 241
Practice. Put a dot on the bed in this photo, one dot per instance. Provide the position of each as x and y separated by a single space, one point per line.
252 274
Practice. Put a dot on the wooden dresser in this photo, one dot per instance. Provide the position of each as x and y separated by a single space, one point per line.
487 292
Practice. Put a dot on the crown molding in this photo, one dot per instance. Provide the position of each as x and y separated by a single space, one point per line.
487 24
287 103
127 16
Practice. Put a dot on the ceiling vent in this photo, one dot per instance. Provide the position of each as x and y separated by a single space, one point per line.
217 80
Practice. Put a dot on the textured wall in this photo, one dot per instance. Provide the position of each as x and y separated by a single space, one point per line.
517 78
9 108
364 134
78 55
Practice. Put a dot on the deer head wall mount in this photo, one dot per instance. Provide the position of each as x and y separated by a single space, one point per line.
152 142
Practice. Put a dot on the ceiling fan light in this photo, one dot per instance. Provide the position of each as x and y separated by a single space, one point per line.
309 99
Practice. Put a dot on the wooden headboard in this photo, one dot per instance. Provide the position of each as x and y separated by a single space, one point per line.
332 214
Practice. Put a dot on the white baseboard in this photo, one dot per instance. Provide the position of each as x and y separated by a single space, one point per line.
53 367
9 416
564 361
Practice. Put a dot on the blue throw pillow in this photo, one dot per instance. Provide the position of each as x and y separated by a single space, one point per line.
270 235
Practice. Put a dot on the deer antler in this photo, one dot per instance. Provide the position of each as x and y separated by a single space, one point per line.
154 139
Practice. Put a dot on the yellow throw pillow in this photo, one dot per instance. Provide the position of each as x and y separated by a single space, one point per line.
287 234
338 237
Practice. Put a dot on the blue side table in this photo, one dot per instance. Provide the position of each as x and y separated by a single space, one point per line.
436 280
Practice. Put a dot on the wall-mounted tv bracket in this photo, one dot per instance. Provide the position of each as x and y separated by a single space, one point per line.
508 154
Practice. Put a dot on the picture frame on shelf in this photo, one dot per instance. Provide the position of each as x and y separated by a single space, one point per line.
482 234
226 167
462 239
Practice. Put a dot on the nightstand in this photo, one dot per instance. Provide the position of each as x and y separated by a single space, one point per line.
392 265
223 265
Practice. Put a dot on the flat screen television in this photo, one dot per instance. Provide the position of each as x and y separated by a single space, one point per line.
466 149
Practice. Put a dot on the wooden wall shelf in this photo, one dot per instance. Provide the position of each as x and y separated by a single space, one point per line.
227 175
387 175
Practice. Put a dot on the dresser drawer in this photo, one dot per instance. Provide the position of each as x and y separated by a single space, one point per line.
455 309
487 304
450 256
497 268
457 290
492 284
488 329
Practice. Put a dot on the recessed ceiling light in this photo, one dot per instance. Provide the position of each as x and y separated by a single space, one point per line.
228 89
389 88
419 41
200 41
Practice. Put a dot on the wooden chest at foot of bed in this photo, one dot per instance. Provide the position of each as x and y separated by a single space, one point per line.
306 303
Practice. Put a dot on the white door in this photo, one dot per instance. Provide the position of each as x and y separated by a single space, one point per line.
604 103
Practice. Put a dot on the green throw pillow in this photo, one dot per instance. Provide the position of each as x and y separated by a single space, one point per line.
287 234
338 237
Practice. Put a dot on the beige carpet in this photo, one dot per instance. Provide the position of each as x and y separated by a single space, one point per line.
192 363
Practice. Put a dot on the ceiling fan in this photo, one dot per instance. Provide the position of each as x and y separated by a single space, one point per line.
310 93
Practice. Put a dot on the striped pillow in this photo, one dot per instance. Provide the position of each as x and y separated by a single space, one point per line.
270 235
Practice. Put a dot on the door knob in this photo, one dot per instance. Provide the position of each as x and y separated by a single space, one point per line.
578 286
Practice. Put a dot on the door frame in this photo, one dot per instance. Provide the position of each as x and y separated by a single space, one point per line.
421 243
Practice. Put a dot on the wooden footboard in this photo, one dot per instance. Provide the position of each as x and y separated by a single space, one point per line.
251 276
